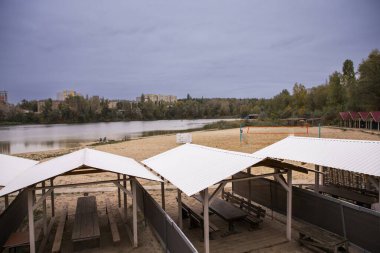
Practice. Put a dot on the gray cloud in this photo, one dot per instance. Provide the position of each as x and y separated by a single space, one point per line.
120 49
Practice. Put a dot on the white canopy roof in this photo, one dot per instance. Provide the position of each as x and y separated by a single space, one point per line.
11 166
193 168
84 157
353 155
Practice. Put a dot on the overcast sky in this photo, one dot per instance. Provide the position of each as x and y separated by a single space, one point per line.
120 49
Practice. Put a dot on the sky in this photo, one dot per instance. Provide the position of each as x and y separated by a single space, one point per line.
219 48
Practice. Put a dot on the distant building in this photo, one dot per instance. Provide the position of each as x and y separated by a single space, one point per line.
158 98
54 106
112 104
61 96
4 97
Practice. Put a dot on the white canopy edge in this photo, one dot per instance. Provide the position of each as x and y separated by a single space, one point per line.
193 168
84 157
359 156
11 166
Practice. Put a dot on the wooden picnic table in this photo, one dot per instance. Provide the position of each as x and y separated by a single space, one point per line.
20 239
346 194
226 211
86 224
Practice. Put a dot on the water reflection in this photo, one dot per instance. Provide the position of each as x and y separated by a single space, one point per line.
32 138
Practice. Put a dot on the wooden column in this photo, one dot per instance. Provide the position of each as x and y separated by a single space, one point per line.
52 198
163 193
32 242
125 197
249 187
134 203
6 200
206 222
118 192
44 216
179 196
289 207
316 189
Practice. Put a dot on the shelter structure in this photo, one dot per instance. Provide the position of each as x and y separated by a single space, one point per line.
355 119
345 119
375 116
11 166
355 156
366 119
194 168
84 161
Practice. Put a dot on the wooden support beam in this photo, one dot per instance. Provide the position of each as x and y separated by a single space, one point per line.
44 215
251 177
206 221
374 183
125 196
249 187
118 192
316 189
32 241
52 198
179 197
123 189
216 192
282 181
42 199
79 184
289 208
6 200
163 193
134 204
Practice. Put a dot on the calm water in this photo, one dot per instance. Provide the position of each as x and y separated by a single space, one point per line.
31 138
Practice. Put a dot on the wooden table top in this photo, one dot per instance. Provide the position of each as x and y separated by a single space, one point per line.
86 225
224 209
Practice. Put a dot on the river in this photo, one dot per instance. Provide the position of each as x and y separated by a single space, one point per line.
32 138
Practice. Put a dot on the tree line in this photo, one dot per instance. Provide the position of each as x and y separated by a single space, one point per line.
345 90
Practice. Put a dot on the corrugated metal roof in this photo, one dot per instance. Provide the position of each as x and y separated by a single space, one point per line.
353 155
344 115
84 157
364 115
193 168
375 116
11 166
354 115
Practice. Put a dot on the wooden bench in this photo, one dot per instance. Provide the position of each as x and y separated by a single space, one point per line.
196 219
21 239
318 239
59 233
86 231
256 214
112 223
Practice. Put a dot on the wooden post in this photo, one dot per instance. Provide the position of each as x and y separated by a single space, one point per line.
125 198
289 208
134 203
316 189
32 242
52 198
163 193
118 192
6 200
179 208
249 187
44 216
206 222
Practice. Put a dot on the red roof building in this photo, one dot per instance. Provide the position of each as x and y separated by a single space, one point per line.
354 115
344 115
364 115
375 116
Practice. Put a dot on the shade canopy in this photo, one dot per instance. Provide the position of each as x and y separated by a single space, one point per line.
193 168
11 166
352 155
84 157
